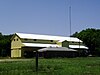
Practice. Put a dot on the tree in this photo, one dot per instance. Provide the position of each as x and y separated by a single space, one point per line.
75 34
5 44
91 38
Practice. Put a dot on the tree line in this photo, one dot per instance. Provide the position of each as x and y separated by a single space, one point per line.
90 37
5 45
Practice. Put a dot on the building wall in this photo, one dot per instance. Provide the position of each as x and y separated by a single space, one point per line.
65 44
53 54
16 43
16 47
29 51
16 53
59 43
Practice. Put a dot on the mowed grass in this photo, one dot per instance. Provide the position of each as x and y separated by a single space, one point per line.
55 66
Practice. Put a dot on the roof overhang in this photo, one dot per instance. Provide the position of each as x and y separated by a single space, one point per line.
39 45
56 49
14 36
78 46
70 39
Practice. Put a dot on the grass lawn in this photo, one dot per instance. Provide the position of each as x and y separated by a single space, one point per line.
56 66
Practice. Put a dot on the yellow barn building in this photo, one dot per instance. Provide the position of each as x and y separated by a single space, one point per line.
22 43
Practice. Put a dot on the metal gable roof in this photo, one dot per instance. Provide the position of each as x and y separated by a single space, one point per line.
56 49
47 37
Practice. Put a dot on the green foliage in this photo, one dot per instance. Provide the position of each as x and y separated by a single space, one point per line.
91 38
5 44
60 66
75 34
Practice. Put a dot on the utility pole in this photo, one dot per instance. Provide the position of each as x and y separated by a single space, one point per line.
36 60
70 19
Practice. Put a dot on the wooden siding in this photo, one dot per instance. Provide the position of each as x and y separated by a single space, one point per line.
59 43
16 47
16 53
16 43
65 44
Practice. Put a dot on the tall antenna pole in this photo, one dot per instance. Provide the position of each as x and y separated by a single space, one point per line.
70 19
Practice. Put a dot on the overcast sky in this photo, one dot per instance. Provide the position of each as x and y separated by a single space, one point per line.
48 16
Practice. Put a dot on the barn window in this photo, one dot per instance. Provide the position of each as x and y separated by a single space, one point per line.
34 39
17 39
26 39
51 40
14 39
